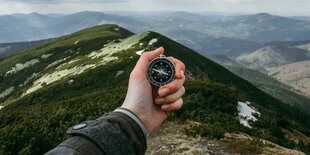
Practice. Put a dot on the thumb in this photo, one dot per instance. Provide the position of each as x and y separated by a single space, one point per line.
147 57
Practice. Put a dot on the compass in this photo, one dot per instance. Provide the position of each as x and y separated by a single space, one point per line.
161 71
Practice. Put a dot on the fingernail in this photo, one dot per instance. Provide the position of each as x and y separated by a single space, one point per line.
182 73
159 100
163 91
159 48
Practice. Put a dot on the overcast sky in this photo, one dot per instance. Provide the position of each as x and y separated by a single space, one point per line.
277 7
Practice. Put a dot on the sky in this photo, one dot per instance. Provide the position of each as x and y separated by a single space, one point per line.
276 7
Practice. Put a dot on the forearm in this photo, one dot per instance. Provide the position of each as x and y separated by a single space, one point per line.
114 133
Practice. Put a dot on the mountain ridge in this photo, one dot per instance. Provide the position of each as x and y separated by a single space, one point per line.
213 97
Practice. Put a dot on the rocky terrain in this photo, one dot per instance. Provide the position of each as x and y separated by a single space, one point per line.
171 139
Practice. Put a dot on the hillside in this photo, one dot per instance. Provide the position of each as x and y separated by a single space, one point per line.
280 90
285 61
224 60
11 48
273 56
283 92
81 76
295 74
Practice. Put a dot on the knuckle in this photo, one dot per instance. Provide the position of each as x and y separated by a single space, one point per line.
133 75
144 55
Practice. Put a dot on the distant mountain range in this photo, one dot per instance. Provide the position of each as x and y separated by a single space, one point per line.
35 26
61 82
261 28
7 49
259 41
285 61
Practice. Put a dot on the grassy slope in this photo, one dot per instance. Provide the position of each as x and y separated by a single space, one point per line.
211 96
273 87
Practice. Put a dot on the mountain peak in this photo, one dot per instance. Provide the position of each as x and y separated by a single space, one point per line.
35 14
263 14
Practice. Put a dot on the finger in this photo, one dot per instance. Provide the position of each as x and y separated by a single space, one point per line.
179 67
145 58
148 56
171 97
173 106
172 87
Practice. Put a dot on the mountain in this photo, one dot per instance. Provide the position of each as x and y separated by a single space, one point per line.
256 28
11 48
273 55
224 60
280 90
306 18
85 74
225 35
263 27
285 61
35 26
295 74
283 91
207 45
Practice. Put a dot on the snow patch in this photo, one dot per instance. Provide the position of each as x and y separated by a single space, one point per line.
304 46
44 56
154 40
34 75
140 52
141 44
56 62
107 53
57 75
73 61
116 29
70 81
6 92
76 42
118 73
1 107
19 66
246 112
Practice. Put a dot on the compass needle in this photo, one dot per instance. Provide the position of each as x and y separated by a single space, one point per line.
161 71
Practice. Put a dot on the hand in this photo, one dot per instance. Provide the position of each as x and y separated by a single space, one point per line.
152 111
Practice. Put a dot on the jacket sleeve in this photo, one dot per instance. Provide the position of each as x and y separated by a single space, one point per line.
114 133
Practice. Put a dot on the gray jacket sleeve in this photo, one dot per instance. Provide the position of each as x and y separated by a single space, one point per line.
114 133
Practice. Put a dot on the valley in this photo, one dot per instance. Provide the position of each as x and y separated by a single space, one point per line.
83 75
247 78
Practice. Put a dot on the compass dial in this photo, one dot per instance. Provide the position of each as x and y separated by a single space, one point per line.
161 71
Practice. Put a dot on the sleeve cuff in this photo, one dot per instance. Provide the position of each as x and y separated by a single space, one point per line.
135 118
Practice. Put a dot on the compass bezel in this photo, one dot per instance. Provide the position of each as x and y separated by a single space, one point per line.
151 66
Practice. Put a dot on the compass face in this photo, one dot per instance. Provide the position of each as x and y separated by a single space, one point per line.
161 71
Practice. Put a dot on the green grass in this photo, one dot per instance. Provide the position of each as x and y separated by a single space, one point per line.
273 87
38 122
